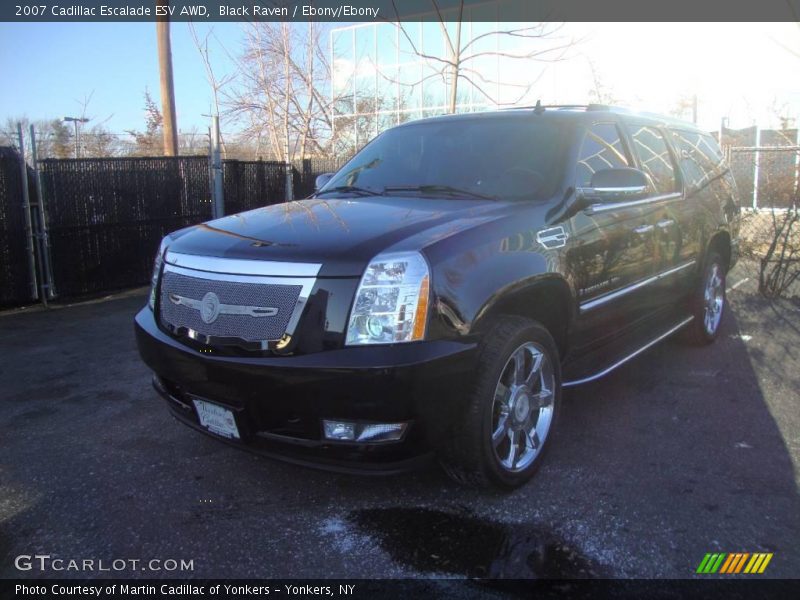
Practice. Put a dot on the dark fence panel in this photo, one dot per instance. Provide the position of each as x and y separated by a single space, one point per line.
15 282
305 172
252 184
107 216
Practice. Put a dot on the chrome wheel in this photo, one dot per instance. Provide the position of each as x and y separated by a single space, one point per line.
522 410
714 299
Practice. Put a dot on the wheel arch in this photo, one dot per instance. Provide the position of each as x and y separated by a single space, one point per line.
547 299
720 242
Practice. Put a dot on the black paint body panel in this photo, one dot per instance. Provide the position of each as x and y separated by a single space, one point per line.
480 253
419 383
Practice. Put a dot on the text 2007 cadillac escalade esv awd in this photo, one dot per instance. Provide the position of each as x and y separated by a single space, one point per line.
436 294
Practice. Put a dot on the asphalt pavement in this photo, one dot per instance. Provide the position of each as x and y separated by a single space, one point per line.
682 452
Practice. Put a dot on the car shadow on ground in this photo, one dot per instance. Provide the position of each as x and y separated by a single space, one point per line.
681 452
676 454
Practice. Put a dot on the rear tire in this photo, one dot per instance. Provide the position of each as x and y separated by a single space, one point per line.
502 434
708 302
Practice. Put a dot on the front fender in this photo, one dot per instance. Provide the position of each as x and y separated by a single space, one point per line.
469 285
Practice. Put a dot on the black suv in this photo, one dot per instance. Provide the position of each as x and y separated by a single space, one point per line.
436 294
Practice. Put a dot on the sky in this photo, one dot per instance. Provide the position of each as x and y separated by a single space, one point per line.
738 70
49 69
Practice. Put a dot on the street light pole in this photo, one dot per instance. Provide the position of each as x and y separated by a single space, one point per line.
75 121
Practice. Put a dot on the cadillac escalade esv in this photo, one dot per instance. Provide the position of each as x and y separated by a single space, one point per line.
435 295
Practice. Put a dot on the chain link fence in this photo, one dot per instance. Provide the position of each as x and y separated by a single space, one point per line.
768 180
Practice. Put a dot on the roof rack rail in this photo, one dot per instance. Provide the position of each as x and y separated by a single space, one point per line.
597 107
609 107
545 106
588 107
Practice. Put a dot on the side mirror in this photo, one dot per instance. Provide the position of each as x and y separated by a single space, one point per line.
621 184
321 180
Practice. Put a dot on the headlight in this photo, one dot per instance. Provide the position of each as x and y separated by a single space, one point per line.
391 304
151 302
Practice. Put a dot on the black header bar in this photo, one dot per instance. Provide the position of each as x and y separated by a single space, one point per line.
347 11
734 588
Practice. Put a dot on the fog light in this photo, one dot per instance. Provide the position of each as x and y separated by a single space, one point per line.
347 431
340 430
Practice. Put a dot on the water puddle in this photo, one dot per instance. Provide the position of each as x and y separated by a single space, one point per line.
432 541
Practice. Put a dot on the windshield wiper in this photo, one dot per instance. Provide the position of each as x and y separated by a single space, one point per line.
350 189
445 190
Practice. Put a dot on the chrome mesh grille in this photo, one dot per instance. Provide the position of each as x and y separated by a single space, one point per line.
244 327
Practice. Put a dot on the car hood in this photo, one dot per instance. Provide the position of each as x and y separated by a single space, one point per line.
340 234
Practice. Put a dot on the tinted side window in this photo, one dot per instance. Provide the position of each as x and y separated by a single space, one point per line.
601 149
651 148
700 157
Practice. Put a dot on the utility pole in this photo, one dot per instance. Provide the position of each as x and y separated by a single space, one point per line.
167 86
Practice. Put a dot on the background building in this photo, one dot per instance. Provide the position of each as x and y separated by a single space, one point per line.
384 74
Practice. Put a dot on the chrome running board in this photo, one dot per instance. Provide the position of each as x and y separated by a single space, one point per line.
630 356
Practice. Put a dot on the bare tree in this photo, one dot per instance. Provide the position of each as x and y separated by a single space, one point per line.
96 141
779 266
777 246
685 107
600 93
458 63
53 138
786 121
770 236
193 142
360 119
216 82
280 95
100 142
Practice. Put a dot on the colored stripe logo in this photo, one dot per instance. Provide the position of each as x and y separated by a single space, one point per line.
734 562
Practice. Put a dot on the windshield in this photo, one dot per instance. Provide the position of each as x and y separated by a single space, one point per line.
504 159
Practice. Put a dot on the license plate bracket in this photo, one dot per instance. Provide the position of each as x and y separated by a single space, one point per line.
216 418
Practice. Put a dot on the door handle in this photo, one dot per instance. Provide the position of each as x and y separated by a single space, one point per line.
663 224
642 229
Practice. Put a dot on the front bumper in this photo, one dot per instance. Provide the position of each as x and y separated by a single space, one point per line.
279 402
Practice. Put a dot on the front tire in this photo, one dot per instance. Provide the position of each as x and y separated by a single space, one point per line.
508 421
708 302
